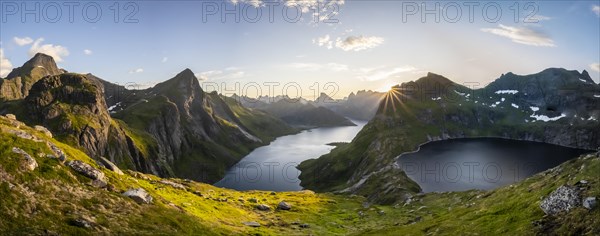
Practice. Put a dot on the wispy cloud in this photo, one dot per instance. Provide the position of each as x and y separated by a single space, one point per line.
58 52
87 52
596 9
324 41
254 3
164 59
381 73
227 73
522 35
5 65
23 41
136 71
350 43
595 67
358 43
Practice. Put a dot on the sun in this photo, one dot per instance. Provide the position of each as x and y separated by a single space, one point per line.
386 88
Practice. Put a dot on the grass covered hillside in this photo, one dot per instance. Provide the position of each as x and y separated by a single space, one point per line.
43 192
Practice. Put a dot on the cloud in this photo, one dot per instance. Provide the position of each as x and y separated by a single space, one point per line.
358 43
23 41
375 74
595 67
536 19
254 3
313 5
138 70
337 67
164 59
55 51
5 65
227 73
596 9
324 41
522 35
87 52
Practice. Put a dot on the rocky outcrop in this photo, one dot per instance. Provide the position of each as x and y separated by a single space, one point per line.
564 198
139 195
20 80
284 206
43 130
109 165
29 162
73 107
263 207
87 170
589 203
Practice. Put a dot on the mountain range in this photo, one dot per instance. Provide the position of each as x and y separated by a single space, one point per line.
554 106
171 129
80 155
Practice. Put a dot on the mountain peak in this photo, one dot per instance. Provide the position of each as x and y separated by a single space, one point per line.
40 60
434 78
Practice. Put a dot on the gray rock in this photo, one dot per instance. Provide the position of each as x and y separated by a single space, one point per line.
139 195
43 130
58 154
81 223
564 198
172 184
263 207
252 224
29 164
86 170
284 206
109 165
11 117
590 202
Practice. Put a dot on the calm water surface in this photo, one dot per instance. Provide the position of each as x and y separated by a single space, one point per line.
482 163
273 167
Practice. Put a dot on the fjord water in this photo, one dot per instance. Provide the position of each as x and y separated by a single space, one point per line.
273 167
481 163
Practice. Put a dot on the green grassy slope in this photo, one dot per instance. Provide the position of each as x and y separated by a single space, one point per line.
51 198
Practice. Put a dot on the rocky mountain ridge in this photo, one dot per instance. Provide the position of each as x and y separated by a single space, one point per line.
554 106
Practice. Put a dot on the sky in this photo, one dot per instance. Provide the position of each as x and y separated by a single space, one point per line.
302 48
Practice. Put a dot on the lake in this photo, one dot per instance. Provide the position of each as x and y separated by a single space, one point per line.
273 167
481 163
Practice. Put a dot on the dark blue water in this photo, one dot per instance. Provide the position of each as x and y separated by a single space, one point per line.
482 163
273 167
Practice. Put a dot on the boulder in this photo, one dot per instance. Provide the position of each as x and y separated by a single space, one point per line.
98 178
109 165
57 153
589 203
11 117
284 206
263 207
29 162
564 198
139 195
252 224
43 130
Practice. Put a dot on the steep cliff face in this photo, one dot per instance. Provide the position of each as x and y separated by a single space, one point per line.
554 106
17 84
197 134
73 107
